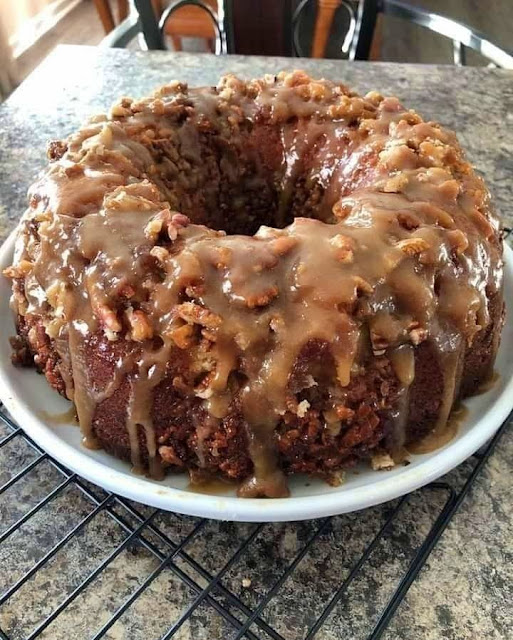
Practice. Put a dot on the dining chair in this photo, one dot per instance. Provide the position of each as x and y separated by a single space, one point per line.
357 44
363 20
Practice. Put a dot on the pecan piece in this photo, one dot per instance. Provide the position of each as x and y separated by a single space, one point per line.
223 257
118 111
412 246
396 183
169 455
140 325
418 335
341 210
195 314
344 246
183 336
108 318
19 270
382 461
408 220
302 408
458 241
160 254
56 149
166 219
344 413
262 299
283 245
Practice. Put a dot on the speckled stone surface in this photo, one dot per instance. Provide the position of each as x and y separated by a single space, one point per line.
465 590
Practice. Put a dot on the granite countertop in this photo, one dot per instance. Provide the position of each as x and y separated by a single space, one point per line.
465 590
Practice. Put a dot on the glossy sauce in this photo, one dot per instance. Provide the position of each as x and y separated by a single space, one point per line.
55 419
441 436
212 487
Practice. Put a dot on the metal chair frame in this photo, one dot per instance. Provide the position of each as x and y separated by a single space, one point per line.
462 35
143 20
357 42
349 7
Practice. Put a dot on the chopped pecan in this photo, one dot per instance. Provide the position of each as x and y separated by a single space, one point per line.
408 220
381 461
195 314
283 245
263 298
396 183
108 318
418 335
171 221
53 328
294 78
302 408
336 478
450 189
153 228
160 253
140 325
483 223
412 246
56 149
438 215
118 111
458 241
374 97
341 210
183 336
56 295
344 246
344 413
169 455
398 156
19 270
223 257
209 335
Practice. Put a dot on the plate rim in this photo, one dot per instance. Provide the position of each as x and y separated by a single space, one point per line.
252 509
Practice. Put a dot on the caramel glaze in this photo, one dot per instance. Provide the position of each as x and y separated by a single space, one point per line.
126 234
63 418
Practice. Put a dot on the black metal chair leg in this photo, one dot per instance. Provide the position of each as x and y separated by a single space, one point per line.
364 32
149 25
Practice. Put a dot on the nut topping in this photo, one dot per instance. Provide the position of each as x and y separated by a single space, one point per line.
412 246
458 241
183 336
140 326
194 314
344 246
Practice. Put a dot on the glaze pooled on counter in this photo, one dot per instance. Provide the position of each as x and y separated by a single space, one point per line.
259 278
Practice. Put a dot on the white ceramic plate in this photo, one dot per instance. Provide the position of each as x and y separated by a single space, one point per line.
28 397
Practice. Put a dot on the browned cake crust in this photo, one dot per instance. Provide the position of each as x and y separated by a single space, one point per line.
366 305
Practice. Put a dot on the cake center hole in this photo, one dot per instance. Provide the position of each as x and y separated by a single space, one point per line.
237 190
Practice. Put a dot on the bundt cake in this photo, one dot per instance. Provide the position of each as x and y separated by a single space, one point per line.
258 279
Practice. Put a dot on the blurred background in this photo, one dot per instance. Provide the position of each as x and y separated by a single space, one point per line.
31 29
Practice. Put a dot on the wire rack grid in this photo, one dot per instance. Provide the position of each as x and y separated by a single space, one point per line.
78 562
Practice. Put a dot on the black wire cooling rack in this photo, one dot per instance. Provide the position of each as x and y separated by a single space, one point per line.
63 540
78 562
